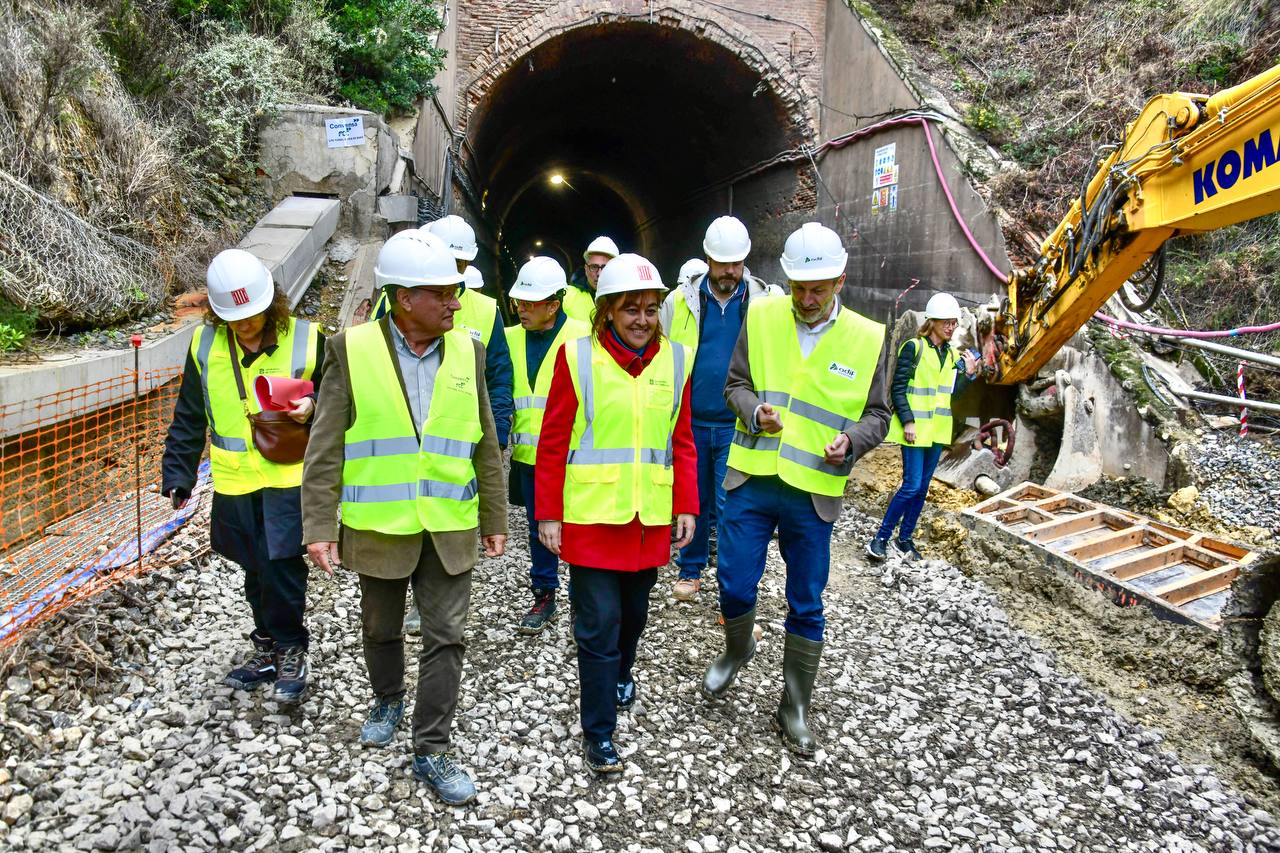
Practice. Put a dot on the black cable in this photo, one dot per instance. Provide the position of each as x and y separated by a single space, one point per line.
763 17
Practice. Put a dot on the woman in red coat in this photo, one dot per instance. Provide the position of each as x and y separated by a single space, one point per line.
616 462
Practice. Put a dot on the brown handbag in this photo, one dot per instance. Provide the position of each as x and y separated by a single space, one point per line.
278 437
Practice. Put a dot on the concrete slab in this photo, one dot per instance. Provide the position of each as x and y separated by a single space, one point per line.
304 212
398 208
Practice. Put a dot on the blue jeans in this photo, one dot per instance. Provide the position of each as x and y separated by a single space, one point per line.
918 464
712 444
751 513
611 609
544 573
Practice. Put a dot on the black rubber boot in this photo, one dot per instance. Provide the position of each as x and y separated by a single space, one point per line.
800 659
739 647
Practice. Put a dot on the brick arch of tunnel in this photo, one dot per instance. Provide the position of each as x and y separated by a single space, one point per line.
650 120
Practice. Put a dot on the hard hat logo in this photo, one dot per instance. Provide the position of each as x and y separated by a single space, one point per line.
644 273
240 296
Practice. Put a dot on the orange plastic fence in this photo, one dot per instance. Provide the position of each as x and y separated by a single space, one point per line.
70 491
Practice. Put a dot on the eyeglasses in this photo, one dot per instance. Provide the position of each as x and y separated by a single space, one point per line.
443 294
531 303
595 267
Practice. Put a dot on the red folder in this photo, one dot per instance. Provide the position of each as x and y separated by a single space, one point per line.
277 393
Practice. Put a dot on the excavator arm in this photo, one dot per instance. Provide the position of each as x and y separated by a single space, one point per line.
1188 163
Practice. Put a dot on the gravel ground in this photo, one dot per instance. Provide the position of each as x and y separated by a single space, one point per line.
944 728
1240 479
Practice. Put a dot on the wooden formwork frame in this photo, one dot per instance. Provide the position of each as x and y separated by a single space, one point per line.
1179 573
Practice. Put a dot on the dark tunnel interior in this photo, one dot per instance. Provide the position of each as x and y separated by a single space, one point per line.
643 124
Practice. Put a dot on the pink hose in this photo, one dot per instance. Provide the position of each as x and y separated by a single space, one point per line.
1182 333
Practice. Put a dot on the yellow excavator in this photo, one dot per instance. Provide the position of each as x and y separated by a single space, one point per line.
1188 163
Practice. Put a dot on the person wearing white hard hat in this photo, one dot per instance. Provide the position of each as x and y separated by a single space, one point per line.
807 383
405 446
705 313
256 518
538 294
580 298
691 270
925 379
615 465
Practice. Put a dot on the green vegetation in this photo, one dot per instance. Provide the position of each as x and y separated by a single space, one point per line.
15 325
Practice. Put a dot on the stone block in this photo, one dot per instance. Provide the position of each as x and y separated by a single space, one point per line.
398 208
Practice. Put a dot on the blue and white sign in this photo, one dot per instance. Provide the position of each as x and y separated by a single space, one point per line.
344 132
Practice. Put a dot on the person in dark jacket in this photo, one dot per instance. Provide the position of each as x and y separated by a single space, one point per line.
256 518
615 464
924 381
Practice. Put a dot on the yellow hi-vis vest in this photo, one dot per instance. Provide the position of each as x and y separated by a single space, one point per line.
531 402
815 397
476 317
684 329
238 468
929 396
578 304
392 481
621 460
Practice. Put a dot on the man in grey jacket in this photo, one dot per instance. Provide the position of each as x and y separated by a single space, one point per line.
705 313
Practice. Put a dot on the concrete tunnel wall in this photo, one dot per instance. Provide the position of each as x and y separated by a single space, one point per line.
654 114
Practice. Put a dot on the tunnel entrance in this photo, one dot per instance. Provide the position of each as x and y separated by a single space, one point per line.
642 131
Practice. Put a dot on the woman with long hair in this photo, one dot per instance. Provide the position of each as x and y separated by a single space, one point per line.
924 381
616 463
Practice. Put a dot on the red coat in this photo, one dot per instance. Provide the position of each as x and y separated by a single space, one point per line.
626 547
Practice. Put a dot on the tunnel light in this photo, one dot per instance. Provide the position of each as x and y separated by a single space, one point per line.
538 243
558 179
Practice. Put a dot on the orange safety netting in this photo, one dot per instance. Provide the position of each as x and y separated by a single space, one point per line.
80 465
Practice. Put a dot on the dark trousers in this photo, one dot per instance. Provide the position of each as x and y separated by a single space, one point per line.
611 610
544 569
713 445
918 465
251 529
443 600
752 512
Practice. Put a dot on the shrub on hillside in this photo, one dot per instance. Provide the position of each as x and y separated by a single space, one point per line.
386 58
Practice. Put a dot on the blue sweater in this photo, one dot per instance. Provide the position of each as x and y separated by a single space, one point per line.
537 345
717 336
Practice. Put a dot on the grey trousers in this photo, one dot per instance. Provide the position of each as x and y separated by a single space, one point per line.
443 600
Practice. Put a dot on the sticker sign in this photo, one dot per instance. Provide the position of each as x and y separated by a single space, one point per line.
884 200
344 132
885 171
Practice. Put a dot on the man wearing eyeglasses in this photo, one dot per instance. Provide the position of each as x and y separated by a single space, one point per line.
580 296
417 475
538 294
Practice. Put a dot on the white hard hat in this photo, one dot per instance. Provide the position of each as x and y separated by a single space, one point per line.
460 236
813 252
628 272
473 278
693 268
410 260
239 285
601 245
727 240
540 278
942 306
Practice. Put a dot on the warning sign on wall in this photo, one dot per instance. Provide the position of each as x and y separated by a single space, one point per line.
344 132
884 172
884 200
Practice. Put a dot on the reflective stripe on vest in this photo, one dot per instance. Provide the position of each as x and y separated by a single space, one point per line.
621 457
929 396
393 481
237 466
825 393
531 402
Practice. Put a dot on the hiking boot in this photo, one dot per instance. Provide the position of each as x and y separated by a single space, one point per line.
877 550
413 619
626 694
600 756
739 647
687 589
800 659
540 614
450 782
258 668
907 549
381 724
291 674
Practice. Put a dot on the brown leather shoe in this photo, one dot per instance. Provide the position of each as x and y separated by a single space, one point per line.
686 589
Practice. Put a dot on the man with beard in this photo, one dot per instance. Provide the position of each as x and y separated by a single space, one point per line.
807 382
705 314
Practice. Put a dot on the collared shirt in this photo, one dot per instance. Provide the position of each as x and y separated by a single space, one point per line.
419 372
809 336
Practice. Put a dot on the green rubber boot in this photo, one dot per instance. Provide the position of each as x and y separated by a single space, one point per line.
739 647
800 659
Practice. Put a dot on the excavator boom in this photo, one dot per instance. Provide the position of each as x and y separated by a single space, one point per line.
1187 163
